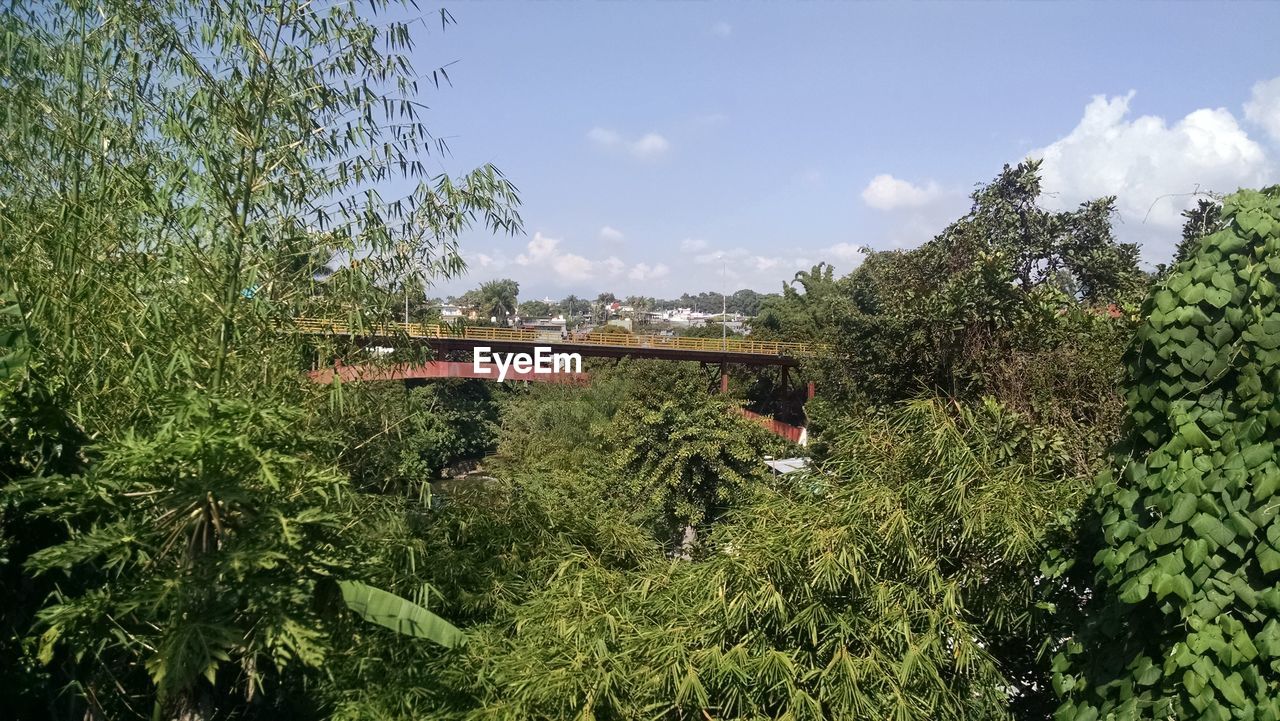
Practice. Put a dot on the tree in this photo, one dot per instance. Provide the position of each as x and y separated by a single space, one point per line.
192 552
890 584
690 457
810 304
1029 305
498 299
571 306
172 176
397 440
1204 219
1183 615
535 309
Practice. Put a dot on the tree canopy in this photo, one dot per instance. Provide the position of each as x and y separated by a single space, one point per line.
191 529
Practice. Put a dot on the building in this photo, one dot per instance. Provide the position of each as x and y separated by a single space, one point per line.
557 325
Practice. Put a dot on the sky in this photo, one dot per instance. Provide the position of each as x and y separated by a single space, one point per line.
670 147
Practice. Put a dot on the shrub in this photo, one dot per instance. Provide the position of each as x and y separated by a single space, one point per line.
1184 622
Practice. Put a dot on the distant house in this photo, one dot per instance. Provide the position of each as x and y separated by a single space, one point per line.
452 312
552 325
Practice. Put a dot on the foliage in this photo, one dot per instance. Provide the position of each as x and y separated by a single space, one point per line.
809 304
1183 620
685 456
495 299
186 524
396 439
610 329
1204 219
559 427
178 182
177 541
37 439
398 614
743 302
881 596
1007 288
536 309
492 547
206 264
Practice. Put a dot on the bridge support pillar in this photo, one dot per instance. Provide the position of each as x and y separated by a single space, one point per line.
809 394
724 379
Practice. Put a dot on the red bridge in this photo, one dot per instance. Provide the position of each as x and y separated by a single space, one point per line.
444 339
600 345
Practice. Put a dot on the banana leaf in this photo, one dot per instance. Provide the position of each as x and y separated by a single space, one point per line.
399 614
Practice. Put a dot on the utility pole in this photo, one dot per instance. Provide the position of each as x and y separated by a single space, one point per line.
724 303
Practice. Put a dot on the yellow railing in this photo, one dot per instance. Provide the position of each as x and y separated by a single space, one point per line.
320 326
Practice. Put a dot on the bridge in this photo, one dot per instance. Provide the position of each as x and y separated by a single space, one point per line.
443 339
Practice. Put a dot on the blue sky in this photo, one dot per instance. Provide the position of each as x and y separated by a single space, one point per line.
663 147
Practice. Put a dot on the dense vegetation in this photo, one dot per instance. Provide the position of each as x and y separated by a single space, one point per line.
190 529
1184 622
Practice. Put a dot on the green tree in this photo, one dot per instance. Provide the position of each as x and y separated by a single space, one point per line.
892 584
572 307
188 555
1204 219
38 439
536 309
808 308
398 439
1028 305
172 177
498 299
1183 619
686 456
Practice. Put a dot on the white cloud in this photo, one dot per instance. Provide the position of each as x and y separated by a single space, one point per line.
544 252
743 263
722 29
604 137
692 245
846 251
1152 166
613 265
644 271
763 263
572 267
647 146
721 256
611 234
1263 108
886 192
483 260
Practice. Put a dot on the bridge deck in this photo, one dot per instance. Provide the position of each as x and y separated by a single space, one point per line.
606 345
